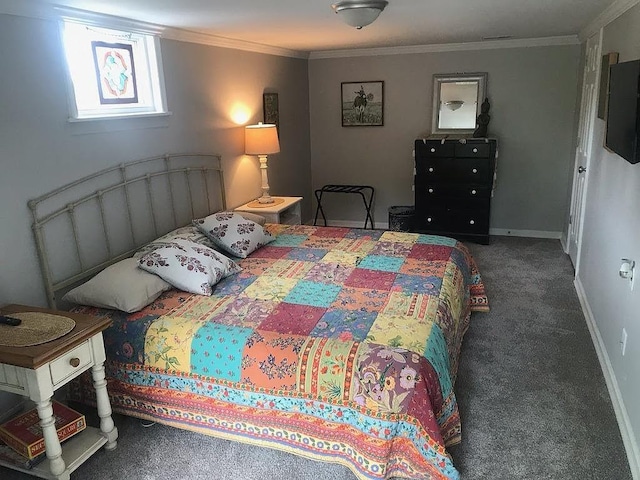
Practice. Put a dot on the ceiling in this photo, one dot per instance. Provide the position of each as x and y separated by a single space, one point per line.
312 26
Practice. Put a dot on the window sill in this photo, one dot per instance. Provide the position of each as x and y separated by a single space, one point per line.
89 125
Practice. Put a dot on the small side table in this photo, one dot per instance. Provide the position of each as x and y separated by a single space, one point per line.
286 212
38 371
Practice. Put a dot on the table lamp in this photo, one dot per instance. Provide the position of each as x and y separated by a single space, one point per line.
261 140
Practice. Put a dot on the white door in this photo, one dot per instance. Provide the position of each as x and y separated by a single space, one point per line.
588 109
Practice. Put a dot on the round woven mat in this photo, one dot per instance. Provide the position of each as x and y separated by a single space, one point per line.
257 204
36 328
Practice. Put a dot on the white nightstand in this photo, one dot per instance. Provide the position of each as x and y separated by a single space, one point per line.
38 371
286 212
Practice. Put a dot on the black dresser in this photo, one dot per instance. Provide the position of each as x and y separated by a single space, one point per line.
453 186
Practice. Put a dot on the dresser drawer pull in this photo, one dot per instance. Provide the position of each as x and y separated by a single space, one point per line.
74 362
431 169
475 150
433 150
431 190
472 222
473 192
475 170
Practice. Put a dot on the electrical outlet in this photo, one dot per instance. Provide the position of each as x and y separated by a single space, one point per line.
623 341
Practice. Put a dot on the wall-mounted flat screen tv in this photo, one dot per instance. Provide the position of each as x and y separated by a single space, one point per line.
623 116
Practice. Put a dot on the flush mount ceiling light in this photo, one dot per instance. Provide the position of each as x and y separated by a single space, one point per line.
454 105
359 14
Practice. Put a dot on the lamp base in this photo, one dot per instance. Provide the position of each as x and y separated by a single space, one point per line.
266 199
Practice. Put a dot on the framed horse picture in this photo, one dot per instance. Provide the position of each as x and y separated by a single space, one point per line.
362 104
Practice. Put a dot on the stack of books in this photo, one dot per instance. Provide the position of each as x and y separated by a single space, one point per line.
21 440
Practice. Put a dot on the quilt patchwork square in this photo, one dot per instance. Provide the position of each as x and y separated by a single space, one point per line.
334 273
255 266
243 311
306 254
333 232
361 299
414 266
380 262
364 234
413 305
342 258
392 249
400 331
430 252
314 294
233 286
270 288
217 351
292 319
288 269
344 325
417 284
167 343
288 240
374 279
437 240
359 246
401 237
270 251
201 307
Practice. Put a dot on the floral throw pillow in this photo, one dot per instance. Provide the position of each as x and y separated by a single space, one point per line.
233 233
190 232
189 266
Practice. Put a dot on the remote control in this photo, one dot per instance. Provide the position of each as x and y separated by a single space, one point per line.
11 321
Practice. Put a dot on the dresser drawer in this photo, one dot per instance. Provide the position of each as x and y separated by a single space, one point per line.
453 216
434 148
72 363
427 189
472 150
459 170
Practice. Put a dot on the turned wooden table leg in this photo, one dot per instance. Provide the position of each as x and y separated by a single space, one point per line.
107 426
51 442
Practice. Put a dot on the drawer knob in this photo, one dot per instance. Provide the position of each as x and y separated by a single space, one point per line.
472 222
475 170
431 190
74 362
433 150
473 192
431 169
429 219
475 150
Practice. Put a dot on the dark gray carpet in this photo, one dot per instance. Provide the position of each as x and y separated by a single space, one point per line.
532 397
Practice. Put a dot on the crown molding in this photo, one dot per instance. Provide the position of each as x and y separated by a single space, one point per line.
54 13
448 47
609 14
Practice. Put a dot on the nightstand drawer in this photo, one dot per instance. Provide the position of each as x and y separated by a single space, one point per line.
71 363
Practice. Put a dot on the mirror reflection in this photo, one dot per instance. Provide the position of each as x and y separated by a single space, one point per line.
456 102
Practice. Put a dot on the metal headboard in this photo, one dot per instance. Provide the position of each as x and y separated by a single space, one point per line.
86 225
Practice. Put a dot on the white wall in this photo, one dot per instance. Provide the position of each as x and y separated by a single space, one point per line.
611 232
533 100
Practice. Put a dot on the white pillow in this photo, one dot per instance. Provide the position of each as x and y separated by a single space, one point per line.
121 286
189 232
189 266
259 219
233 233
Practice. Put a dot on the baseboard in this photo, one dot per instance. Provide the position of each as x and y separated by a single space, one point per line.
525 233
628 437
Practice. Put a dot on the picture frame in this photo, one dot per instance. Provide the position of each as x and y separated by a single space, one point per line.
362 103
270 109
115 72
603 95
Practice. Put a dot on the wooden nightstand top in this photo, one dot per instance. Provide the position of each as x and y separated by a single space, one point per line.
268 208
37 355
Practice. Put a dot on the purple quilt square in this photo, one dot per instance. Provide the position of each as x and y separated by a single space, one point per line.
374 279
335 232
293 319
307 254
430 252
365 234
328 273
416 284
344 325
271 252
233 285
391 249
244 312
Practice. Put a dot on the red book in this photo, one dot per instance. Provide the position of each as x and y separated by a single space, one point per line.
24 433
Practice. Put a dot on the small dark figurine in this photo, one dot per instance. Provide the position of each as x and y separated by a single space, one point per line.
483 120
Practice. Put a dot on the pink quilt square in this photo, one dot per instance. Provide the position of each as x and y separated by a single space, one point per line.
373 279
425 251
292 319
271 252
335 232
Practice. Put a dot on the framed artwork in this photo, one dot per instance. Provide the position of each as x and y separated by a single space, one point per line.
115 72
362 104
270 109
603 96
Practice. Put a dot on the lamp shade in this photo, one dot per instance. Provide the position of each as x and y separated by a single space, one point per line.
261 139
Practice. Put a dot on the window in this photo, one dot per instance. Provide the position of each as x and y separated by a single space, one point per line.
113 73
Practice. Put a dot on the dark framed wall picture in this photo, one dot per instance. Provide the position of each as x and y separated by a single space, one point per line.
362 104
115 72
603 96
270 109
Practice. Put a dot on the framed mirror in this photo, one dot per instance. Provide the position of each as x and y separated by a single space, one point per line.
456 102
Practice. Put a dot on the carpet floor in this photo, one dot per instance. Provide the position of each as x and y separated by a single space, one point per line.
532 397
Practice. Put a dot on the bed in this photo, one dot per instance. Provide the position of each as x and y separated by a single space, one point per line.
337 344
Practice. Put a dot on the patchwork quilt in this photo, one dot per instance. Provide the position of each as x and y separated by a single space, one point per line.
333 343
